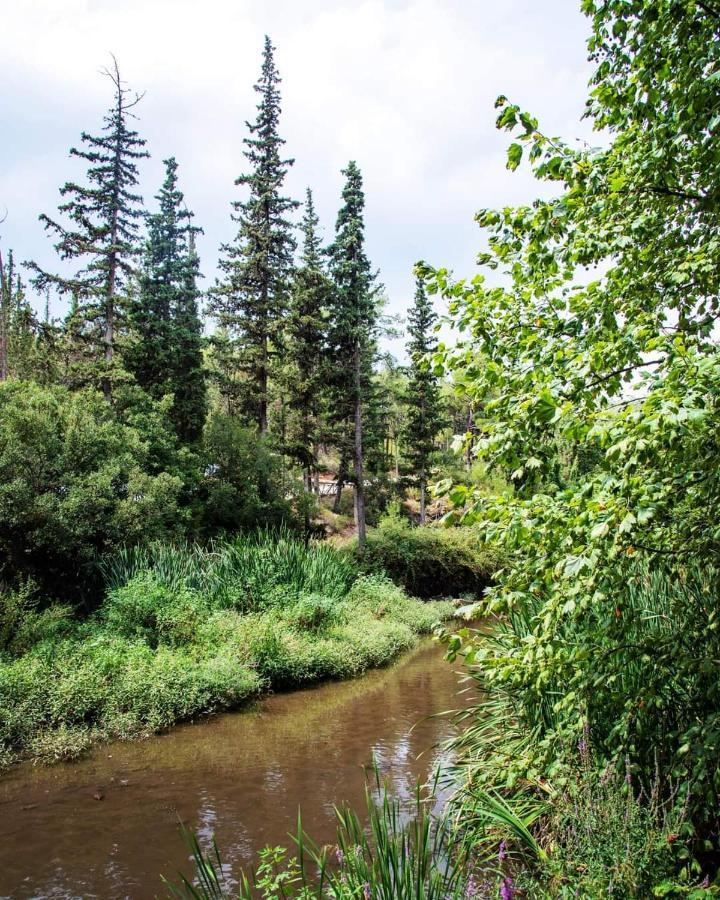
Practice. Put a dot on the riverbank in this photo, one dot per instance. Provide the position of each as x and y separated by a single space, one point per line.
122 675
241 776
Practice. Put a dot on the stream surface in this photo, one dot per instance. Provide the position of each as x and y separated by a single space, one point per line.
239 776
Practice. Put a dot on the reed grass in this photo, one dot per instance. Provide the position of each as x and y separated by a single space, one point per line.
391 854
246 573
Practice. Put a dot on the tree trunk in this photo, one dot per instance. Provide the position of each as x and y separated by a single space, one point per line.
341 478
468 448
307 481
110 285
109 330
423 482
316 475
359 480
263 387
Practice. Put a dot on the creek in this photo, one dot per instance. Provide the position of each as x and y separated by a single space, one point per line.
107 826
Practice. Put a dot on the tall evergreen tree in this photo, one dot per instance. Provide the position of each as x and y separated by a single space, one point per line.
250 301
354 327
166 355
104 216
5 306
306 360
424 408
190 403
27 345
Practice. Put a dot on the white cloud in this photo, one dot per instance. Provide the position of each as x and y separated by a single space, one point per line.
405 87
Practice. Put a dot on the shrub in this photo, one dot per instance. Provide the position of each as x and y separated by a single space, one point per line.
313 612
157 653
22 626
148 609
379 596
429 561
242 483
64 696
640 673
75 481
609 840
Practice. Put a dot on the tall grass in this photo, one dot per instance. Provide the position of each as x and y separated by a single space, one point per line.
635 677
647 654
396 855
242 573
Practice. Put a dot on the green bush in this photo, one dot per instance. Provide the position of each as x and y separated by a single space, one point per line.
640 673
608 840
76 481
313 612
81 478
429 561
22 626
382 598
147 609
242 484
100 686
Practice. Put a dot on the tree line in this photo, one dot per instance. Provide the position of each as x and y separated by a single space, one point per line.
292 359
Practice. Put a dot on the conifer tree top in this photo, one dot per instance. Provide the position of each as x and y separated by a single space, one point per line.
104 213
312 252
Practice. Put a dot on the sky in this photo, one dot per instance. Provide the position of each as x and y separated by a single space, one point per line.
404 87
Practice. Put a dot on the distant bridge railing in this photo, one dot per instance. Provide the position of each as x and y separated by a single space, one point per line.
327 488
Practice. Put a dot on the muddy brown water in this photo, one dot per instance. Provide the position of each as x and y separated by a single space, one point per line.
239 776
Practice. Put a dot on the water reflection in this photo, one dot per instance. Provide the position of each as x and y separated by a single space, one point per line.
241 777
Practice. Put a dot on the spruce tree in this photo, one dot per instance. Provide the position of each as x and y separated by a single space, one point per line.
424 407
354 329
27 345
166 354
250 301
306 360
5 306
190 402
104 217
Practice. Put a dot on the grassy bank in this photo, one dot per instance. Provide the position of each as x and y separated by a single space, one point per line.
183 632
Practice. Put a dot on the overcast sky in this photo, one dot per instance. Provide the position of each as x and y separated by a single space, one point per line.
405 87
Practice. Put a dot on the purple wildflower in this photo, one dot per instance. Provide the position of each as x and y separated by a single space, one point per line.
471 888
339 856
367 892
502 851
506 889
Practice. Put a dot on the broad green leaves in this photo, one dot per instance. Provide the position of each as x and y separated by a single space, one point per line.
591 356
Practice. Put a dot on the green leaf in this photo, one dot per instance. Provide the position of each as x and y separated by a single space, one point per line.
514 156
